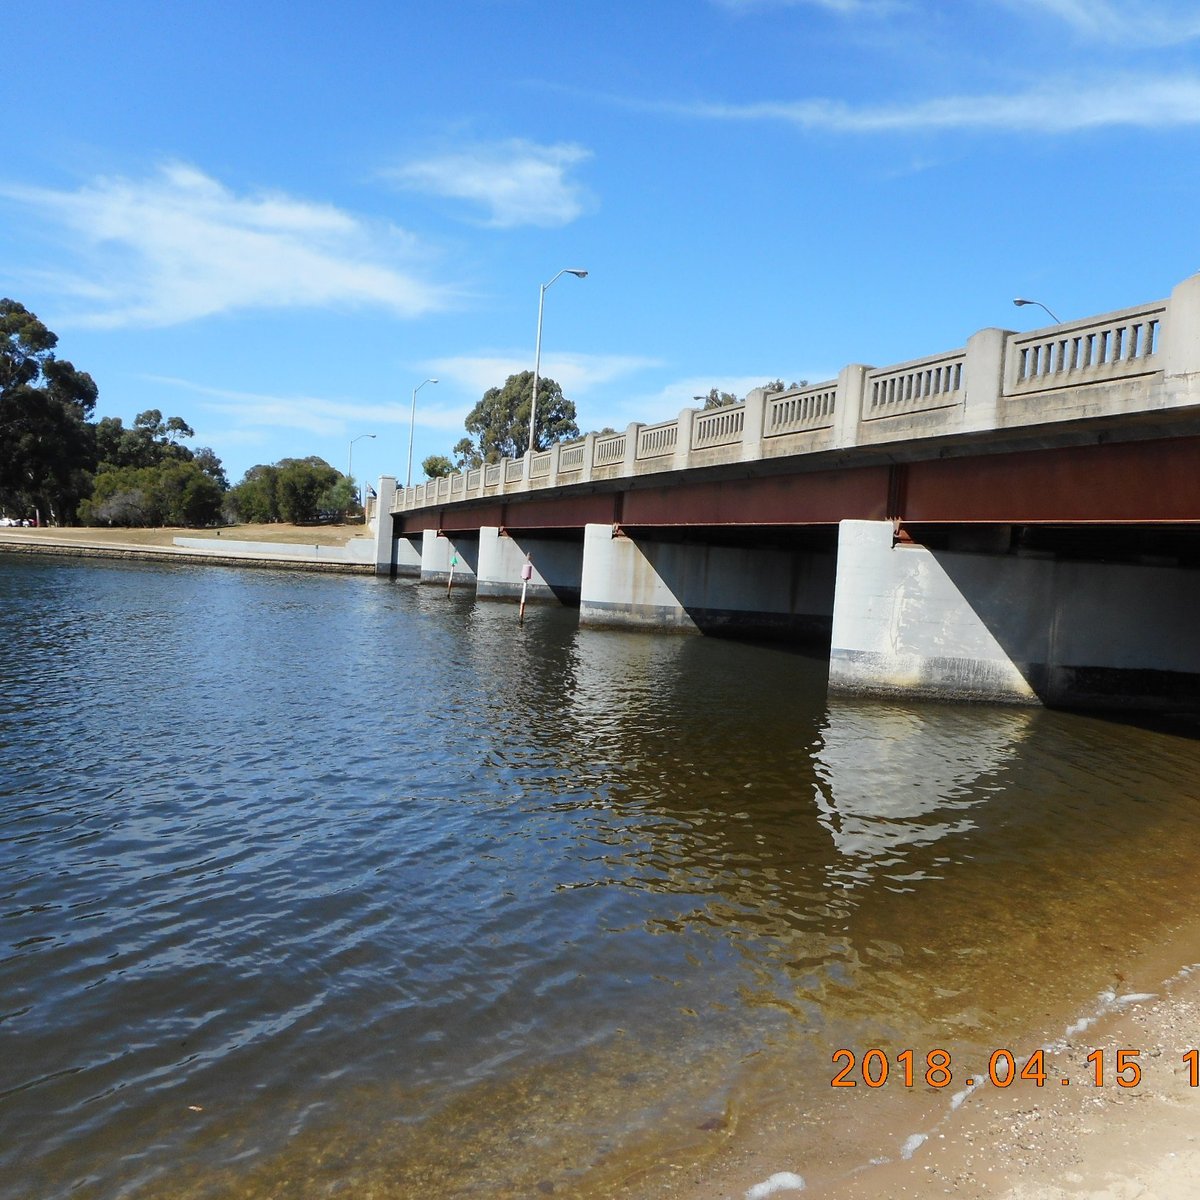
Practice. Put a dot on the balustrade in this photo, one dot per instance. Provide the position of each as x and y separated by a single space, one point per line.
609 450
719 427
812 408
1121 345
927 383
657 440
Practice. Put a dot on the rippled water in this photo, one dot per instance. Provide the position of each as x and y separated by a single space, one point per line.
330 886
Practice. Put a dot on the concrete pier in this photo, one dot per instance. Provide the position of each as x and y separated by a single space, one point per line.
1008 628
439 552
637 580
557 565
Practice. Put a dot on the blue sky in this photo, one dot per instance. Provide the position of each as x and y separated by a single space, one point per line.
276 219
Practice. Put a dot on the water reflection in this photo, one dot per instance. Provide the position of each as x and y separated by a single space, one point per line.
890 777
313 883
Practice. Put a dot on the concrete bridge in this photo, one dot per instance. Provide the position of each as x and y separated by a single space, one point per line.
1017 520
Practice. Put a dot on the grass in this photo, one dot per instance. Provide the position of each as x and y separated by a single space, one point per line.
311 535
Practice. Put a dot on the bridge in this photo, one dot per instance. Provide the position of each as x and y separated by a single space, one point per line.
1017 520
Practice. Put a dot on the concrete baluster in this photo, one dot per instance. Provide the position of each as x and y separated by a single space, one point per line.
752 424
683 440
589 456
984 378
848 407
628 466
1180 335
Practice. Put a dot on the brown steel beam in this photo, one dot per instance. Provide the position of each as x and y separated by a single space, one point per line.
816 498
1126 482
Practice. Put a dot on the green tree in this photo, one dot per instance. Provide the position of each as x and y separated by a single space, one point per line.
436 466
341 496
149 441
255 500
499 423
171 493
47 445
302 483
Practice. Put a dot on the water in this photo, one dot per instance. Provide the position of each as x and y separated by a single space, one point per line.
327 886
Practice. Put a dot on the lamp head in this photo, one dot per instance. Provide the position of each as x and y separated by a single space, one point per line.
577 273
1020 303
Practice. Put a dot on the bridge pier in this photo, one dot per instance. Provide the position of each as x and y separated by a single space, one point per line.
557 566
438 550
637 580
1011 628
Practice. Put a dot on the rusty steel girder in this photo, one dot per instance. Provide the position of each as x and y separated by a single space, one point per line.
1136 482
1148 482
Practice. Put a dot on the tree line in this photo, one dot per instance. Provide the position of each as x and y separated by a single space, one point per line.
58 466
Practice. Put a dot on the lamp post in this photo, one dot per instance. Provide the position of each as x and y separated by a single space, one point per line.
350 462
1020 302
537 357
412 420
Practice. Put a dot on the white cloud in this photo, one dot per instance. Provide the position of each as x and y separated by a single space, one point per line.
319 415
576 373
516 182
1163 24
1059 107
180 245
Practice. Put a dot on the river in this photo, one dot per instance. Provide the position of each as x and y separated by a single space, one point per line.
324 885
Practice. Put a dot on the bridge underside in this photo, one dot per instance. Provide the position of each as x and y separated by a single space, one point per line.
1065 575
1142 482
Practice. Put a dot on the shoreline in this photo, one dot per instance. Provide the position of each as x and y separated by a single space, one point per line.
154 546
1021 1142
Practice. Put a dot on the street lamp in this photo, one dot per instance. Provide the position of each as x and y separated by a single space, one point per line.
1020 303
350 462
537 358
412 420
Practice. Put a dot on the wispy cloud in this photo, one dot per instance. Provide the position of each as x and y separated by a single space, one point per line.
577 374
1059 107
180 245
514 182
1165 23
320 415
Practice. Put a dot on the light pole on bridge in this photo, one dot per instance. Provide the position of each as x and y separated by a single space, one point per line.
1020 302
537 357
412 420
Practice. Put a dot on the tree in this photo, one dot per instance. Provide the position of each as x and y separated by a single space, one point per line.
296 490
499 423
255 500
171 493
148 442
777 385
436 466
716 399
47 445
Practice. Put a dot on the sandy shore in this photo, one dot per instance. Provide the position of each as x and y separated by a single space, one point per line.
1022 1142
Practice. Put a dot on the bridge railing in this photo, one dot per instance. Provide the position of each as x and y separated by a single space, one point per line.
1120 345
798 411
926 383
1115 362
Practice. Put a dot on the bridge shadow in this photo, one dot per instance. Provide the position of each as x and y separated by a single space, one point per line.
749 585
1091 619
